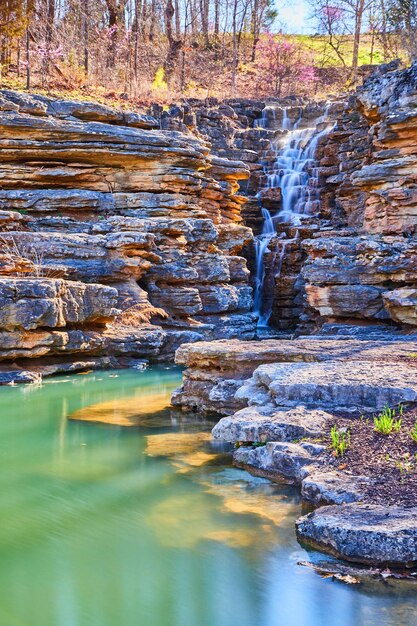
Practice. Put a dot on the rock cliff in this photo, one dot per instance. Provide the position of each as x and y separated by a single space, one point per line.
108 223
364 267
352 259
134 233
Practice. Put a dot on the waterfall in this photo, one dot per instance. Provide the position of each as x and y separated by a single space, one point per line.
292 170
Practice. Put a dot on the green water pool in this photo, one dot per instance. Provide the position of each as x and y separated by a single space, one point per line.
117 511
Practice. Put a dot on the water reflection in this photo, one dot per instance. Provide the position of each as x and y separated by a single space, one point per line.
102 525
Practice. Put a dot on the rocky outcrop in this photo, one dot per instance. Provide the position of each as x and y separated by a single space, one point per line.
257 425
363 533
280 418
359 267
99 208
216 370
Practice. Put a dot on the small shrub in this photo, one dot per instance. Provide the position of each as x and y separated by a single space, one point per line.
386 422
340 441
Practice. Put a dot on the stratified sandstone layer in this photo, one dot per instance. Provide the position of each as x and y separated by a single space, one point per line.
108 223
362 265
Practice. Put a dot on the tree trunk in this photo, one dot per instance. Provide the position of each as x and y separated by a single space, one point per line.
234 68
135 31
356 41
254 29
216 19
153 21
85 32
49 29
177 20
112 10
204 13
193 10
27 59
384 31
175 45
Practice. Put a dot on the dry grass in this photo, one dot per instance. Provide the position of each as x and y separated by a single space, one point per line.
25 260
138 314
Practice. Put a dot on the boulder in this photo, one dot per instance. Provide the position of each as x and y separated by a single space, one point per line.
284 461
363 386
363 533
334 487
266 424
401 305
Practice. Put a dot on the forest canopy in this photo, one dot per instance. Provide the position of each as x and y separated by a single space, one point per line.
159 49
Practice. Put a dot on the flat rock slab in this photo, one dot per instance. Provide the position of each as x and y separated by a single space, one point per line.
335 487
230 354
12 377
252 425
363 533
364 385
289 461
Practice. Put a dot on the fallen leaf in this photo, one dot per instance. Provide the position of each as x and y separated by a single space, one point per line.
350 580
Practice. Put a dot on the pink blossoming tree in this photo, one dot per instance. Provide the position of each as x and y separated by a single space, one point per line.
283 64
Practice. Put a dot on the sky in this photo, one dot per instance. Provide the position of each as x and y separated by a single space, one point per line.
294 15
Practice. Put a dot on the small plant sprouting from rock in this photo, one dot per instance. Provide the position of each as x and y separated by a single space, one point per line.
340 441
387 421
413 433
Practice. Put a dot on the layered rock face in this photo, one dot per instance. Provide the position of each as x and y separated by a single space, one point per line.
225 376
351 260
108 223
254 132
364 267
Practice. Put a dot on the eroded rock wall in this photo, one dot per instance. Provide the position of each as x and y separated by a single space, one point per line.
363 268
107 224
353 260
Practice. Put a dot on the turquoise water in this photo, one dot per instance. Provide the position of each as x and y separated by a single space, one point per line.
147 524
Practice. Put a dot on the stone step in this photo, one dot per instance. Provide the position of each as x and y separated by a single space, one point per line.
255 425
363 533
290 462
363 386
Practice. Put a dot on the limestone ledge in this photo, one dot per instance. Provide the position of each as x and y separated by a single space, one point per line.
147 219
280 417
31 303
216 370
362 533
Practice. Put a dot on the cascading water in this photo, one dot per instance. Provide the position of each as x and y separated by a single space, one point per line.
292 171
